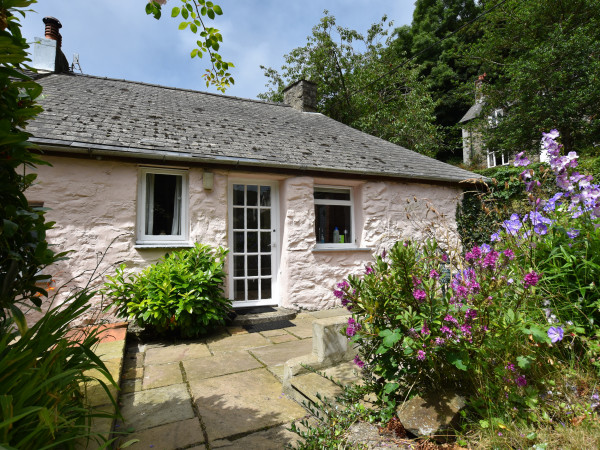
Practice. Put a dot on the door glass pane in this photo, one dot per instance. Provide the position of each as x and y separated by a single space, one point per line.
239 292
253 265
265 219
253 289
252 195
238 218
265 242
265 288
238 266
238 194
238 242
252 242
265 264
265 196
252 214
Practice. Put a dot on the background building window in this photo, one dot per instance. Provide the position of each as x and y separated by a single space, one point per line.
333 215
497 158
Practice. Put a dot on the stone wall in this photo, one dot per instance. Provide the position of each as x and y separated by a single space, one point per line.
93 203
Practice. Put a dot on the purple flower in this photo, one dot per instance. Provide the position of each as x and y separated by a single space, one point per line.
338 294
510 367
368 270
490 260
470 314
421 355
521 381
444 257
433 274
531 279
451 319
425 330
509 254
383 254
555 334
495 237
360 363
513 225
485 248
419 295
440 341
352 327
573 233
521 160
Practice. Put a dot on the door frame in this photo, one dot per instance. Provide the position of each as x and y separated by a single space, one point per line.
275 241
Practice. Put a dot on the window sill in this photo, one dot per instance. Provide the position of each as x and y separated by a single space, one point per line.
143 245
342 249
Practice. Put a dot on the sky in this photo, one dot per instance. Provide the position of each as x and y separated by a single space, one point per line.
116 39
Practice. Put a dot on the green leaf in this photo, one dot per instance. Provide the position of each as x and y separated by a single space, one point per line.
217 9
524 362
538 334
9 228
194 53
184 13
390 337
484 424
175 11
193 27
390 387
210 13
183 25
456 360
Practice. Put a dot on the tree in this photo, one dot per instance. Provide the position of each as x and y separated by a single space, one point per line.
543 66
356 86
194 13
436 45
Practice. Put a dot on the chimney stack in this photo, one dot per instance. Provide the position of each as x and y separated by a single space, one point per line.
52 27
301 95
47 55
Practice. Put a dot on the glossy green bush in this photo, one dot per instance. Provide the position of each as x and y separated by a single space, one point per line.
182 293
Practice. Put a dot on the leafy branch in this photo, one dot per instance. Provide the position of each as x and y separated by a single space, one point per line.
192 12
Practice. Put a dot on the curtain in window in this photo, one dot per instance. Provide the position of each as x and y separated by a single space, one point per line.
176 228
149 203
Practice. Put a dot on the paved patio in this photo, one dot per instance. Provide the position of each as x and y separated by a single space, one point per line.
221 392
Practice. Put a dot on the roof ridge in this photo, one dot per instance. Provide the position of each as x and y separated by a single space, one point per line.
232 97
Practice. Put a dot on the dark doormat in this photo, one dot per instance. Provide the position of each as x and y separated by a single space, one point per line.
254 310
266 326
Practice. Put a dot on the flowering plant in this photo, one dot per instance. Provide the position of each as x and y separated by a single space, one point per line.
492 322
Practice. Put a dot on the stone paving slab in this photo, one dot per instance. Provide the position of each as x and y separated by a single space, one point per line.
110 350
237 342
272 439
147 409
275 355
214 366
282 338
301 328
175 353
277 332
168 437
161 375
242 402
310 384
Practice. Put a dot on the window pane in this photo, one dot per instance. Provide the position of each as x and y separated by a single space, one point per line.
238 218
265 219
238 266
265 242
265 196
238 242
252 223
252 242
265 288
253 265
238 194
253 289
163 204
265 264
332 194
239 290
330 217
252 195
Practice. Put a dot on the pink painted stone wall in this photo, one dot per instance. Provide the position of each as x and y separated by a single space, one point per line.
94 201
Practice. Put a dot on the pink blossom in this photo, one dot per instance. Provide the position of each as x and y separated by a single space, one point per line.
531 279
419 295
421 355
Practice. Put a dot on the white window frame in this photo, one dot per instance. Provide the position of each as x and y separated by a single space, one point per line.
491 158
332 246
163 240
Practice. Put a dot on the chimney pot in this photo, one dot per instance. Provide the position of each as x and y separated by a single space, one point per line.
301 95
52 27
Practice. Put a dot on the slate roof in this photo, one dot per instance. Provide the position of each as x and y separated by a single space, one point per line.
473 112
83 113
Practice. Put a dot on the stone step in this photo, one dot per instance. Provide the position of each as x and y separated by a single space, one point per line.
261 315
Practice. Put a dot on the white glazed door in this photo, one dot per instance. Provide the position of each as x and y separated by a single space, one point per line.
252 243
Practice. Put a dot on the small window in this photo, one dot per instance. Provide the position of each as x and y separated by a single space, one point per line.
162 206
497 158
333 216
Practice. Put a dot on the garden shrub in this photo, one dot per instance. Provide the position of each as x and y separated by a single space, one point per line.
515 324
182 292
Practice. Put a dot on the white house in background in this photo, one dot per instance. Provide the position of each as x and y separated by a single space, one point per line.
300 200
